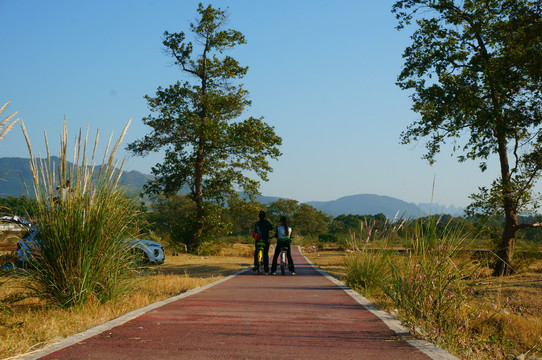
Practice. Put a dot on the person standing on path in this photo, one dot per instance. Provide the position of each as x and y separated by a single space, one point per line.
262 227
284 234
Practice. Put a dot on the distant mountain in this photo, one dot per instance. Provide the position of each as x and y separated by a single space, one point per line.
15 173
267 199
368 204
437 209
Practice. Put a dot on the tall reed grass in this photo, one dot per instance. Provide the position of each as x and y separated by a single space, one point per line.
370 232
5 127
84 217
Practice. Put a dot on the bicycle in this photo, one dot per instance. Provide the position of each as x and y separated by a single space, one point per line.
260 246
284 257
283 260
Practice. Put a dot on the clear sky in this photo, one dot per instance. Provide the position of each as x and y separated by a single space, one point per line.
321 72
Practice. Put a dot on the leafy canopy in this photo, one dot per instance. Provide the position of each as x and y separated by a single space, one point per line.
474 69
195 122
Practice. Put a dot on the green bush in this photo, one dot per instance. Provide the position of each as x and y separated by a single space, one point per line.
327 237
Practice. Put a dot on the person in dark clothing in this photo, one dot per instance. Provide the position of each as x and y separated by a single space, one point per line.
262 227
283 235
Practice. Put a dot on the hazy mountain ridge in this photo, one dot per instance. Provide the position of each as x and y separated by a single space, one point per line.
369 204
436 209
15 172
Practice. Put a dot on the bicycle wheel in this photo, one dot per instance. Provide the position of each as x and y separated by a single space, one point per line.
283 265
260 262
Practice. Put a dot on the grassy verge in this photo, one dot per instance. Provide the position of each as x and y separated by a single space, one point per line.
30 323
506 313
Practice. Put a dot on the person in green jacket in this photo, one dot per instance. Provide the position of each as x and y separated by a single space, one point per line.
283 234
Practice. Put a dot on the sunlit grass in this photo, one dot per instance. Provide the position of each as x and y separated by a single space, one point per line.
505 314
329 260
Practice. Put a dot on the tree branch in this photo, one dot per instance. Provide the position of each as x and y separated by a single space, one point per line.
528 226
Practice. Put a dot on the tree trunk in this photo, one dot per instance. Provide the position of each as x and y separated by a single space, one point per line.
199 224
506 248
505 252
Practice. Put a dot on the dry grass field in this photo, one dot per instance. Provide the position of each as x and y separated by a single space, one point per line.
514 330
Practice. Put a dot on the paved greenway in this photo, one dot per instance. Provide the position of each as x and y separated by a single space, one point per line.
246 316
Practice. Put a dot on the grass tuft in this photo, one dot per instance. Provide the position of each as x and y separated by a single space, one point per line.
84 218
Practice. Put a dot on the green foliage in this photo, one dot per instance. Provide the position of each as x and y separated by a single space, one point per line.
344 224
211 246
82 255
242 215
327 237
474 70
194 123
282 207
366 270
172 217
303 218
310 221
20 206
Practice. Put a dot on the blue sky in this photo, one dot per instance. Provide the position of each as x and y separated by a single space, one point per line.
321 72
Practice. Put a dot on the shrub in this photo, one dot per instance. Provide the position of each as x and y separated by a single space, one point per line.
367 270
327 237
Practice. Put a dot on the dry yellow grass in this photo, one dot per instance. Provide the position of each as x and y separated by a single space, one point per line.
30 324
513 303
331 261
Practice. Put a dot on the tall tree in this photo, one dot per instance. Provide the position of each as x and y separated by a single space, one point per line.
242 215
310 221
195 122
303 218
282 207
475 68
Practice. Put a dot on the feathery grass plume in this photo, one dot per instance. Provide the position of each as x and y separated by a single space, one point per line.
84 218
8 123
372 231
5 127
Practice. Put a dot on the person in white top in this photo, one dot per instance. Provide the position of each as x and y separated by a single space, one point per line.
283 234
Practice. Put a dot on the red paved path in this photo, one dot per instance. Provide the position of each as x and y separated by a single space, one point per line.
253 317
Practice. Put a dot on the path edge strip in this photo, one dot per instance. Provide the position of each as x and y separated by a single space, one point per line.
74 339
429 349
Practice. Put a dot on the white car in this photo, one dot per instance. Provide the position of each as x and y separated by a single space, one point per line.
151 251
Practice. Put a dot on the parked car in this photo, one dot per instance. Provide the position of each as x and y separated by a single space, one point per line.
147 251
150 251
